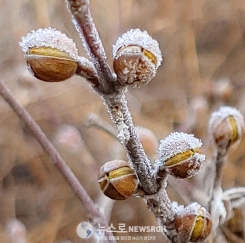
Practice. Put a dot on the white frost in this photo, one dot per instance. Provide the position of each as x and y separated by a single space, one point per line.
49 37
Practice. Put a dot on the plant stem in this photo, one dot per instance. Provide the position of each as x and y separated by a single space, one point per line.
85 69
112 93
217 208
86 28
96 121
53 153
219 163
121 116
114 99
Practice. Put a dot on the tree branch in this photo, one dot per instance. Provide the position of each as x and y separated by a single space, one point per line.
86 28
121 116
53 153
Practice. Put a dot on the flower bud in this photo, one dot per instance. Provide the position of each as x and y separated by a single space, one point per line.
51 56
226 126
179 155
136 58
117 180
193 223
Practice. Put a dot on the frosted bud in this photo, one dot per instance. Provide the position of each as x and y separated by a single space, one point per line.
226 126
136 58
118 180
193 223
179 155
51 56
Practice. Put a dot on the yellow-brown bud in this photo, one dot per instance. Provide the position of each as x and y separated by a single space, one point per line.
51 56
117 180
226 126
136 58
179 155
193 223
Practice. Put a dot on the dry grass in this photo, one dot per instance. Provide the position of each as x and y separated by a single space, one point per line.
202 43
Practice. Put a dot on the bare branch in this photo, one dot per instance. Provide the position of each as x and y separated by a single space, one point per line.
219 162
84 24
96 121
86 70
121 116
52 152
217 208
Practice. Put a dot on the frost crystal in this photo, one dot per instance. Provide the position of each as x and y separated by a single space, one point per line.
49 37
175 143
140 38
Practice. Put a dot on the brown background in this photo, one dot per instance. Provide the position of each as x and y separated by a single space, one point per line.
203 47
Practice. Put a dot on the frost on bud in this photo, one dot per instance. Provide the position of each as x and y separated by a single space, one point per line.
136 58
226 126
51 56
179 155
193 223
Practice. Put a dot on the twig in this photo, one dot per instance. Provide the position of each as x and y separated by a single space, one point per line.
85 26
114 98
219 162
112 93
52 152
86 70
217 207
96 121
121 116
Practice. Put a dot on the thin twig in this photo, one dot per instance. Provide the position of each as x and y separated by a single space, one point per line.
217 208
112 94
121 116
85 69
53 153
85 26
219 162
96 121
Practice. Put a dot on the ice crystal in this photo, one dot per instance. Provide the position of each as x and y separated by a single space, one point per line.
140 38
49 37
177 142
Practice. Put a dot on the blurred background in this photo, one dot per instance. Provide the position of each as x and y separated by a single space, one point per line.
203 46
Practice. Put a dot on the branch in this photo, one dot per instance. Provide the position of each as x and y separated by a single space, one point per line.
86 28
219 162
217 208
53 153
85 69
121 116
96 121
